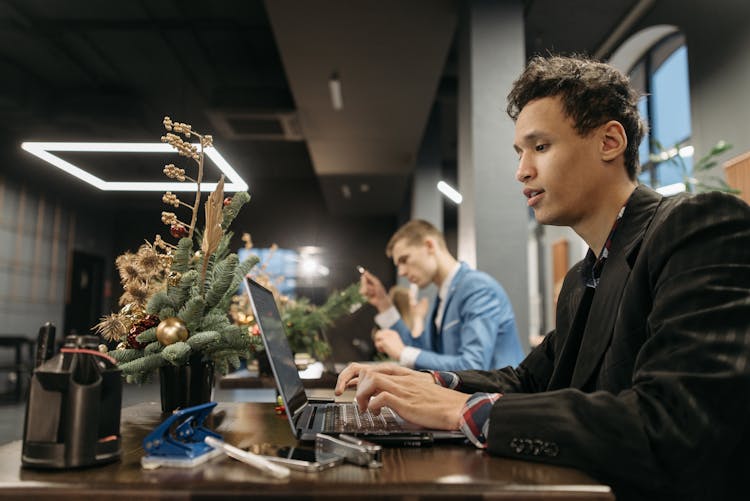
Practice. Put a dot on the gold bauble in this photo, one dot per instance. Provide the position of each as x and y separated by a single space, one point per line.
170 330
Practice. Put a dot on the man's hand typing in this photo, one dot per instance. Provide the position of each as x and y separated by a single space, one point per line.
411 394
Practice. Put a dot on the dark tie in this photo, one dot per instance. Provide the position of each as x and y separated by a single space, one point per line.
436 346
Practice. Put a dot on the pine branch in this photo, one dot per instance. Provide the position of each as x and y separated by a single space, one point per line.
147 336
201 340
153 347
125 356
180 293
143 364
167 312
216 320
222 366
222 279
182 255
240 273
158 302
223 250
192 313
177 353
230 211
235 337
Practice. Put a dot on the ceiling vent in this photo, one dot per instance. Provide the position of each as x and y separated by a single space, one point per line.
260 126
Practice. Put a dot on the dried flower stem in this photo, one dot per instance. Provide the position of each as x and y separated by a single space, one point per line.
167 244
198 186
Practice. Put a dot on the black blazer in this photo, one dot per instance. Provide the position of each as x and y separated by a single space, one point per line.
656 403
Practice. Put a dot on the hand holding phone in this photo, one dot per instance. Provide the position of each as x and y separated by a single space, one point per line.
373 290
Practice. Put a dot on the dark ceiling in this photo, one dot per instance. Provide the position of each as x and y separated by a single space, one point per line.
254 75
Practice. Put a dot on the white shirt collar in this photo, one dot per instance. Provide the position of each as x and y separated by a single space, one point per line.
443 294
445 287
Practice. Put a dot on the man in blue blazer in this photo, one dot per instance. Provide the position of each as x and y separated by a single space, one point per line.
470 325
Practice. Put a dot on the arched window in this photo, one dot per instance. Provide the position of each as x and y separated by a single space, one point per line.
661 75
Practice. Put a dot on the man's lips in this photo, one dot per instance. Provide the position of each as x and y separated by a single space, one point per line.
533 196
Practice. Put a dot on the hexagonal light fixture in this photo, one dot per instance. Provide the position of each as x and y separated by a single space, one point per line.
43 149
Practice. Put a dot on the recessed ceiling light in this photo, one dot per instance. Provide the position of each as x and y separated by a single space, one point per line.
334 88
450 192
43 149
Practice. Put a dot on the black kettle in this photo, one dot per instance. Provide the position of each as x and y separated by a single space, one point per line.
73 409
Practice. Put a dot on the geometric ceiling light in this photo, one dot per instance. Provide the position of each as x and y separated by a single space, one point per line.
42 150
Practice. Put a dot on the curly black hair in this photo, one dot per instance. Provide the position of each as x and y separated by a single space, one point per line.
591 92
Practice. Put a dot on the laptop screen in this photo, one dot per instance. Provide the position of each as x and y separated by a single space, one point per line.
277 347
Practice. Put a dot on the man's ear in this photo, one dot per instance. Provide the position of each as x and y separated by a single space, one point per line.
430 244
613 140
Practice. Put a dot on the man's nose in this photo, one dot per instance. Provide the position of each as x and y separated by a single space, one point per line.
525 170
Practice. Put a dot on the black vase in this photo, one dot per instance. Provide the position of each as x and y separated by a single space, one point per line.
186 385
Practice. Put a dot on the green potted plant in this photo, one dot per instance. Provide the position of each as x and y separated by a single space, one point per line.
174 314
694 184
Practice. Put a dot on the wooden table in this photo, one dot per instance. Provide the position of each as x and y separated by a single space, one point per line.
442 471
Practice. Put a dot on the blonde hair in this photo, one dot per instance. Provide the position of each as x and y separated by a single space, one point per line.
414 232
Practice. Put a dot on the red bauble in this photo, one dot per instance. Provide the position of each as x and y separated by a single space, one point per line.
149 321
227 201
178 231
133 342
141 325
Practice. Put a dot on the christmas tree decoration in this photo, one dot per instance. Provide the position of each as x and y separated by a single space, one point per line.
304 323
178 231
171 330
177 297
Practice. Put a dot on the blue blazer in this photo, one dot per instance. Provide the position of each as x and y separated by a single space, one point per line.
478 330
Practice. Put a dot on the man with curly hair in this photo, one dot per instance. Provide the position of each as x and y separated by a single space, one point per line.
645 381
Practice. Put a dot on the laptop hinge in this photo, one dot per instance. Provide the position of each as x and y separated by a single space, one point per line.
297 414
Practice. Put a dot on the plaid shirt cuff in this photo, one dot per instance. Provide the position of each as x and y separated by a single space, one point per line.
475 417
445 379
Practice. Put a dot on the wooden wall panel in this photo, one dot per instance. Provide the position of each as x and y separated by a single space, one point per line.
737 171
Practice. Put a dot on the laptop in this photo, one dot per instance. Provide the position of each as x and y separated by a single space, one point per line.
308 418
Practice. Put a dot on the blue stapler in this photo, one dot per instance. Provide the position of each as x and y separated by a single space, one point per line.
180 440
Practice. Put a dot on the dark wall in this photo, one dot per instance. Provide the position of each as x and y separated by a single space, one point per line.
288 213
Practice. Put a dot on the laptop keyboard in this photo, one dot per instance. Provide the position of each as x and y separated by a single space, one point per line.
346 418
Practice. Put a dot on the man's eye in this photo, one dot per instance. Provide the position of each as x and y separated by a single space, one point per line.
540 147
